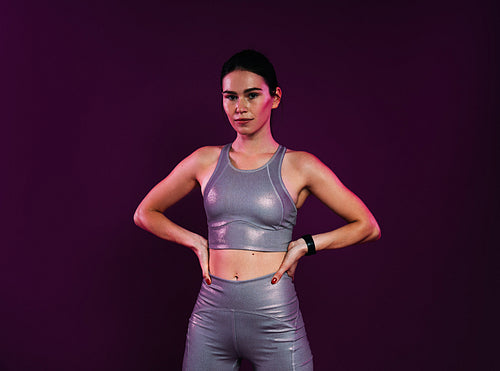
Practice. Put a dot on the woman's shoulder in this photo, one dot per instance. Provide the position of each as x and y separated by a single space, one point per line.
301 159
310 168
208 150
206 155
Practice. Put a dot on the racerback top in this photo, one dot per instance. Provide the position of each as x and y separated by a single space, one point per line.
249 209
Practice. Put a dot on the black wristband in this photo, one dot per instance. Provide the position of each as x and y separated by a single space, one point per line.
311 247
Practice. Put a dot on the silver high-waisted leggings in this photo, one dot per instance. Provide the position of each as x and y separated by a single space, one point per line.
250 319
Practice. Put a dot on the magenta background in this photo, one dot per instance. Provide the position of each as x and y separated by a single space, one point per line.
100 100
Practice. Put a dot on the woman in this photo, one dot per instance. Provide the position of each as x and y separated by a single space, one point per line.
252 188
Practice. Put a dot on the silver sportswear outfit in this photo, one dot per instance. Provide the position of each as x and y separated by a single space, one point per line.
250 319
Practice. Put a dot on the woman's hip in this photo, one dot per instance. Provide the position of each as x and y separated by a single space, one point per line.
256 295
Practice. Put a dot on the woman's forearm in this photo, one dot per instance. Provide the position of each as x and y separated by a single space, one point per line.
157 223
350 234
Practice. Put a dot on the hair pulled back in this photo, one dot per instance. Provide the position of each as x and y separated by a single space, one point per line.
252 61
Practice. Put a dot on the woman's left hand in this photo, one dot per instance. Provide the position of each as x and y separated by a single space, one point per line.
296 250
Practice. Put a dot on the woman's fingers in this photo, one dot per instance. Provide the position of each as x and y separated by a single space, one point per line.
203 253
276 277
204 267
204 271
290 261
291 270
287 263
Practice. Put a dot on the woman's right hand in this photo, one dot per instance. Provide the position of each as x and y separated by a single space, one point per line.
200 248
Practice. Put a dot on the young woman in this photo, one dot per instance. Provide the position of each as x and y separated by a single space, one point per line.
247 306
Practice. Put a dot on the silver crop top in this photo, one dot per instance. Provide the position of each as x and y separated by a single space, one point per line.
249 209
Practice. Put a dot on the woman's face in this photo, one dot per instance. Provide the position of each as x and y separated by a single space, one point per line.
247 101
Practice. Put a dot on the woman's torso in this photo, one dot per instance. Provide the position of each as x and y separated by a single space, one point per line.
243 264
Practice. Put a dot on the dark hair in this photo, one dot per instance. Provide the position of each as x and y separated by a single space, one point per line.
252 61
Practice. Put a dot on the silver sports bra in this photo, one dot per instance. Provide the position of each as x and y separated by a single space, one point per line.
249 209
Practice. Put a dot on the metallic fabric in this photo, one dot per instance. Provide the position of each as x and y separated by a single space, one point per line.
250 319
249 209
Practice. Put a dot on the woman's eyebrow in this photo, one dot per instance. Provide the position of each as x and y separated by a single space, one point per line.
246 91
251 89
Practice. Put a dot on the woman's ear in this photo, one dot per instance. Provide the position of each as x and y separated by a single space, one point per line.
277 97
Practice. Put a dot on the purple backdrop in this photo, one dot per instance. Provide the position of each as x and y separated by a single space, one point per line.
100 100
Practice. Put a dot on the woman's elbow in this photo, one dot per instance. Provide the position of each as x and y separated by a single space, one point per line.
371 231
374 233
138 218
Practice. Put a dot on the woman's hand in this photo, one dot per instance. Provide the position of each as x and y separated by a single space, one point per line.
200 248
296 250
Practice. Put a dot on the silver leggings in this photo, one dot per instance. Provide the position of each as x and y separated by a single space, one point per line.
250 319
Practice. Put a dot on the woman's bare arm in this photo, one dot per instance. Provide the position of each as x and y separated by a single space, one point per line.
325 185
320 181
149 215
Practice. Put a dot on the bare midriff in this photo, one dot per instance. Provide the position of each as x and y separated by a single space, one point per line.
243 264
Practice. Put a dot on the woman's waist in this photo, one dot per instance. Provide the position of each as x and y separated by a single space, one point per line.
252 295
240 265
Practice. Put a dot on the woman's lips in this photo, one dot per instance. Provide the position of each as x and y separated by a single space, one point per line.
242 120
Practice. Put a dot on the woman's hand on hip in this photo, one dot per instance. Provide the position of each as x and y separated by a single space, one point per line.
201 250
296 250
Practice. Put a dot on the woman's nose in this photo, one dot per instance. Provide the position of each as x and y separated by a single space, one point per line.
241 105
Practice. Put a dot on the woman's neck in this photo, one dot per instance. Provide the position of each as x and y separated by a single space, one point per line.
258 143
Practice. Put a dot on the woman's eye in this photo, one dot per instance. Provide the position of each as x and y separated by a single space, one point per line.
231 97
253 95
